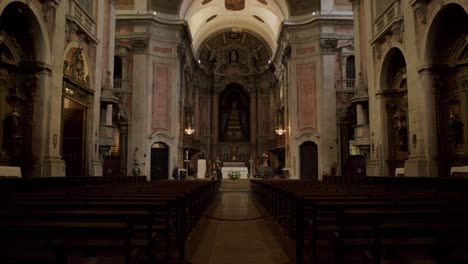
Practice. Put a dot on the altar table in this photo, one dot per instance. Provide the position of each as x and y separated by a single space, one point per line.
243 172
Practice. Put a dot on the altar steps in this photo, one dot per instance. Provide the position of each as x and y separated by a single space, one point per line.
240 185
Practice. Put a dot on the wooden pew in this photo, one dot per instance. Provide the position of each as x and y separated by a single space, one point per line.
135 208
310 211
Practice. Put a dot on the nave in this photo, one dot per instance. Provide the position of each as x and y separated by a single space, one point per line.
237 229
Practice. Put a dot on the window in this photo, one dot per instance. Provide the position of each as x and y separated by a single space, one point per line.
350 70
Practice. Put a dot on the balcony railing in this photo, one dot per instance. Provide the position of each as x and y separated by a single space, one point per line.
387 17
346 85
83 18
120 86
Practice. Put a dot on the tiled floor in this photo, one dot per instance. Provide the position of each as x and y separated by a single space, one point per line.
237 229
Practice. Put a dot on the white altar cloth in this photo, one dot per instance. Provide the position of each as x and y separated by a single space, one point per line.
461 169
243 172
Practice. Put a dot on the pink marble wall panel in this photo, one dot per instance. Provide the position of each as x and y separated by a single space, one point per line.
105 40
362 41
162 83
162 50
125 4
344 30
303 51
124 28
307 96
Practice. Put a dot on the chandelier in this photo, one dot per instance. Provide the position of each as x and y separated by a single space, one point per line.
280 131
189 130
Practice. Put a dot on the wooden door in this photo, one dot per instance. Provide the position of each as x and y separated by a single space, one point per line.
73 141
159 162
309 161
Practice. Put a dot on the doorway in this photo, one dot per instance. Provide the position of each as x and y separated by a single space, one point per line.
309 161
159 161
74 119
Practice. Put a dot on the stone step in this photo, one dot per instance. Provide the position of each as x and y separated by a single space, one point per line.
236 185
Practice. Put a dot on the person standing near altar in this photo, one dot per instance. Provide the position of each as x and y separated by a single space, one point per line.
219 175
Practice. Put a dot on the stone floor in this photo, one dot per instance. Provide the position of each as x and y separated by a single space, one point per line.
237 229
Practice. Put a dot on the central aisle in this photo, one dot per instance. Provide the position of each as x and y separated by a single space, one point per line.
237 229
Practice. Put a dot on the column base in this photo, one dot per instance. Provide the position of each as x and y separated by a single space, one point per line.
372 168
97 168
53 167
416 166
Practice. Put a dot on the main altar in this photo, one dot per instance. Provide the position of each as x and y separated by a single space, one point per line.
231 166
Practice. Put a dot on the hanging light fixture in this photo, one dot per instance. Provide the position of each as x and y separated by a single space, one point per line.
280 131
189 130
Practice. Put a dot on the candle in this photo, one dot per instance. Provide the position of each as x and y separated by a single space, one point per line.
186 154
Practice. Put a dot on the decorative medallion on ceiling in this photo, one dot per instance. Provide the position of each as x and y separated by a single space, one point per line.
234 5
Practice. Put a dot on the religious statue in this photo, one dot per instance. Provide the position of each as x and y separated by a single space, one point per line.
455 128
264 170
401 131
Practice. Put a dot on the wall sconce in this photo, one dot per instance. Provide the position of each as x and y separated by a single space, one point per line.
189 130
280 131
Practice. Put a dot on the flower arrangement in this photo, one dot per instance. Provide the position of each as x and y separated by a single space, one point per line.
234 175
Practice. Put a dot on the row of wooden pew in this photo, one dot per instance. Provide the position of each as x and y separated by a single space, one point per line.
129 222
368 223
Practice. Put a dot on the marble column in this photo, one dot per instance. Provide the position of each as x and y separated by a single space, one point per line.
214 125
253 125
429 120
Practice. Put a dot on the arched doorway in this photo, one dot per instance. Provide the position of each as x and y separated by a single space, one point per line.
159 161
309 161
449 57
394 84
20 63
77 99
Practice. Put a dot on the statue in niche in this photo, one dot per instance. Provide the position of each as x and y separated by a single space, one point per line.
455 128
234 56
401 131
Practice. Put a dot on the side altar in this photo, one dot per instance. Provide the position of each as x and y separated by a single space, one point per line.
229 166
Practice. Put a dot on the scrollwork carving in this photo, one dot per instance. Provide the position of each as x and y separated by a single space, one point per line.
328 45
420 9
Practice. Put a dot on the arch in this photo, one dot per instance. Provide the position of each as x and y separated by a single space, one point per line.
40 32
445 44
159 168
433 22
308 160
395 113
213 35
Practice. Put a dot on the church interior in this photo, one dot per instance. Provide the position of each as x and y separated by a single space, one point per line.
227 131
